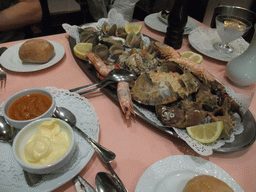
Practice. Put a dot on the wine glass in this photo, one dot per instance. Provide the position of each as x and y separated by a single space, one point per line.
230 28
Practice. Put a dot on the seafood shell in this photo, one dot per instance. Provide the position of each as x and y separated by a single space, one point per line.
102 51
89 28
166 85
120 32
109 30
133 40
111 40
89 37
115 51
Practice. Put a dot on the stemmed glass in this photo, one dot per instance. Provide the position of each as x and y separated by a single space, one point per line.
230 28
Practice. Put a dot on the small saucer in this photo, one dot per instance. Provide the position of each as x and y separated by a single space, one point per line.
202 39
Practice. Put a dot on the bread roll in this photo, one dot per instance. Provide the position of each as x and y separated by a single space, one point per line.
36 51
206 183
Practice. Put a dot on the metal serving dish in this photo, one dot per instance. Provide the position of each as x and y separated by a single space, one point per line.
242 141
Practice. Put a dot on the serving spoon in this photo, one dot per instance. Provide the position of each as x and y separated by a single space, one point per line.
107 183
62 113
7 134
115 75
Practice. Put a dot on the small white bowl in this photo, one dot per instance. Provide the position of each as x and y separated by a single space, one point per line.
24 134
19 124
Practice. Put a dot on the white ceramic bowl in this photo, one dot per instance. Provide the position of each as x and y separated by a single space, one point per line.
24 134
19 124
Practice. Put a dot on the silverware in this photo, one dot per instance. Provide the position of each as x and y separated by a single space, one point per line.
62 113
82 185
114 76
3 76
121 185
106 182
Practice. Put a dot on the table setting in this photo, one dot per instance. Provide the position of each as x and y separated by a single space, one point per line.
159 23
145 148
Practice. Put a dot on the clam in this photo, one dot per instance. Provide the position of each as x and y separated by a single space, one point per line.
109 30
102 51
115 51
133 40
111 40
89 37
89 28
120 32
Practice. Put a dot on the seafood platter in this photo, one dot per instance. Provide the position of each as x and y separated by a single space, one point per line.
171 92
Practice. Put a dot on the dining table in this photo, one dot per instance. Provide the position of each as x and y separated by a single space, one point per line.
136 143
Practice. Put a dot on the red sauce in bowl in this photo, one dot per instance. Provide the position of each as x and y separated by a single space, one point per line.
29 106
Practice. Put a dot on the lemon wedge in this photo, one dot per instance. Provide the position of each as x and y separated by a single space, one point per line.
193 56
234 25
132 27
206 133
80 50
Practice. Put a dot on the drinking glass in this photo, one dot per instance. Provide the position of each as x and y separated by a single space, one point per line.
230 28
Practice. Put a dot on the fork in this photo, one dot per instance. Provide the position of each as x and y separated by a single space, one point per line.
82 185
3 78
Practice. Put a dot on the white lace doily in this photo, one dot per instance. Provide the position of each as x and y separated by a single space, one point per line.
206 149
11 174
113 18
202 40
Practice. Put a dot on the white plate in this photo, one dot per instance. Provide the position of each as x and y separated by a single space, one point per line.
172 174
203 38
11 61
155 21
11 175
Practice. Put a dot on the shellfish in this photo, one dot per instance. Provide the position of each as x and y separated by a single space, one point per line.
120 32
109 30
102 51
168 84
133 40
89 37
115 51
138 61
111 40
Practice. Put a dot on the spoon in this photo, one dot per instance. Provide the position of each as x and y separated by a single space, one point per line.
62 113
115 75
106 183
120 184
7 134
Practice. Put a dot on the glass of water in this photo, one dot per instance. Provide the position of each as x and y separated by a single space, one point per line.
230 28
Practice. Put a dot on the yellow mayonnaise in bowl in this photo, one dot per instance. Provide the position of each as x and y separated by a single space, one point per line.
44 145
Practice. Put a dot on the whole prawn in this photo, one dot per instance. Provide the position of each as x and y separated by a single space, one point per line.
98 63
166 50
193 67
124 97
172 55
123 91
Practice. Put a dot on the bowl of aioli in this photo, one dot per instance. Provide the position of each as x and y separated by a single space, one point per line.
44 145
28 105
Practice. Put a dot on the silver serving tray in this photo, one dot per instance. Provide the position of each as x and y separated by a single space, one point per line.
241 142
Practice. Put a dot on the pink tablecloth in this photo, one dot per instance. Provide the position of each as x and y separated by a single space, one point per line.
136 144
